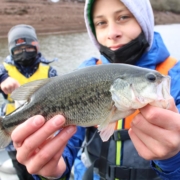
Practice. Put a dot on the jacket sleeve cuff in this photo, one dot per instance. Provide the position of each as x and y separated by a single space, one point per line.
166 175
169 165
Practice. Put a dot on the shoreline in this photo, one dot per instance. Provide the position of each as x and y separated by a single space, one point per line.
63 17
54 33
46 17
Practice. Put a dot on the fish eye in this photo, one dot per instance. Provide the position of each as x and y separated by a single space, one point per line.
151 77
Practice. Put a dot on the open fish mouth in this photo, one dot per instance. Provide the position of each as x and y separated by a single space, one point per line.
163 89
163 93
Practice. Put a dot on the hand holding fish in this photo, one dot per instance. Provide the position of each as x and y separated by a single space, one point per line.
153 129
39 155
85 100
9 85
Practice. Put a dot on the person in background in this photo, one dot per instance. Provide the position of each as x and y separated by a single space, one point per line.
24 64
146 145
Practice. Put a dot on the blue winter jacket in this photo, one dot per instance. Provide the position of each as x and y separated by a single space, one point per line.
170 168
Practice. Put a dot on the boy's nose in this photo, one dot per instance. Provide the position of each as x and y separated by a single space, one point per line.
114 31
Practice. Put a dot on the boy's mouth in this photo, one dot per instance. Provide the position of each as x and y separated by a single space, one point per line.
115 47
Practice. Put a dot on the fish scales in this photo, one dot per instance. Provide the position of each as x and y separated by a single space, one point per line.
71 88
86 97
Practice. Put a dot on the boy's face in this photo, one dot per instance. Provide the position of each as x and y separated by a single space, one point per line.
114 24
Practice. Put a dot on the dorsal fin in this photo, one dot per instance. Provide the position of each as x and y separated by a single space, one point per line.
25 91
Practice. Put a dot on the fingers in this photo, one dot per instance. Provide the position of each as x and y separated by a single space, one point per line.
139 123
35 150
141 148
33 139
50 156
27 128
164 118
8 89
54 168
172 105
9 85
163 127
157 141
155 132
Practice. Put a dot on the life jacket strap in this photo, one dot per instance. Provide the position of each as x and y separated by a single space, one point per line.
120 135
119 172
100 162
127 173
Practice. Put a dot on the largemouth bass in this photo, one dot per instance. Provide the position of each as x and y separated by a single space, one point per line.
97 95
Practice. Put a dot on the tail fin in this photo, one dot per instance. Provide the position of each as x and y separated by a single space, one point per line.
5 137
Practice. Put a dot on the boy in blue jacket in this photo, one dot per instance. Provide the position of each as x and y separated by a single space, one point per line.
122 30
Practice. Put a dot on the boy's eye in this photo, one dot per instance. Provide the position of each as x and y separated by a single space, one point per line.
122 18
101 23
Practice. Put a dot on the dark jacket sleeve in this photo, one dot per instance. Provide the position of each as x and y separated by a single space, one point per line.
167 169
3 74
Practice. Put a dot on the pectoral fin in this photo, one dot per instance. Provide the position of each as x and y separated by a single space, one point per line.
107 128
106 133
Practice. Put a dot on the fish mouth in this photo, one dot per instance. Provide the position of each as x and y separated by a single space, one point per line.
156 94
163 89
163 93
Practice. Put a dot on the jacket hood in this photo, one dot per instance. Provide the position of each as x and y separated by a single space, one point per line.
141 9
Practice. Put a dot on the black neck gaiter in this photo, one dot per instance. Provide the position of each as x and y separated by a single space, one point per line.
25 58
129 53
